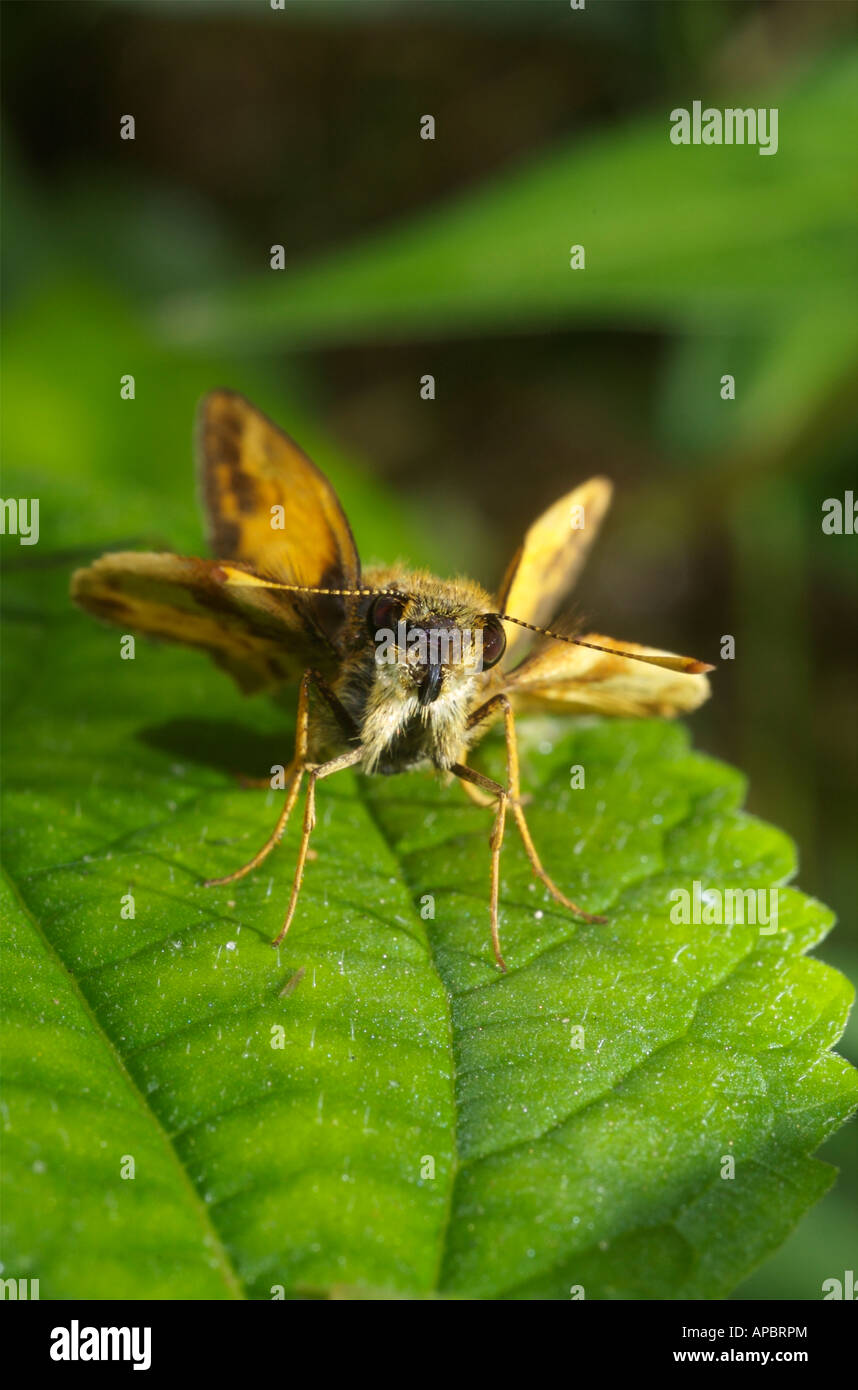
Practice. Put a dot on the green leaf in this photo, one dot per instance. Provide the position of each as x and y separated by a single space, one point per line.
306 1165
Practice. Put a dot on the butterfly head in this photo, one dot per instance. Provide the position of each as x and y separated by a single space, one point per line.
428 648
435 642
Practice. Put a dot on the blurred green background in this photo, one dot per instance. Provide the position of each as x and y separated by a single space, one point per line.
451 257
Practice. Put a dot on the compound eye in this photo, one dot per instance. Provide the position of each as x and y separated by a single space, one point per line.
385 612
494 641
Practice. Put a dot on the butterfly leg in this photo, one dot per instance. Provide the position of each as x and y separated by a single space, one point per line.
500 796
314 775
502 702
484 799
294 772
475 795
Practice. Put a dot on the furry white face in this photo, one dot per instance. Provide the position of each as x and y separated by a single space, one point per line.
394 712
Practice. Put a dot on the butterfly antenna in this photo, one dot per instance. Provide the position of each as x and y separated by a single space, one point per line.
687 665
243 579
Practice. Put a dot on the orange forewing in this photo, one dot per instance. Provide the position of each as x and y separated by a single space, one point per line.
270 512
543 571
266 501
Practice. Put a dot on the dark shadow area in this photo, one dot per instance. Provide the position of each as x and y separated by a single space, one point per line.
221 744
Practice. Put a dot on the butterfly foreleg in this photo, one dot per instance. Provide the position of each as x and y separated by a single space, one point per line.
314 775
500 796
502 702
295 771
479 798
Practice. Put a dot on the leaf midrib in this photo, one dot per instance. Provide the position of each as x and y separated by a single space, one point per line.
370 810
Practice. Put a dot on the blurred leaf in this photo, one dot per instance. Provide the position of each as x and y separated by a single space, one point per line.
306 1165
110 471
693 236
786 384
